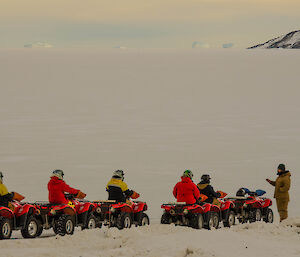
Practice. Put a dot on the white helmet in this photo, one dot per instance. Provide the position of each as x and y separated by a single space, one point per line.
119 174
58 173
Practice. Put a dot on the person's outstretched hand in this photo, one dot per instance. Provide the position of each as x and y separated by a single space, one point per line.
268 180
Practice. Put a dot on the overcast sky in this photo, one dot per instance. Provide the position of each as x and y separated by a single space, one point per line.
145 23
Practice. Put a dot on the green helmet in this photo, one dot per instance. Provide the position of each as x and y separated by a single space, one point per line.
58 173
188 173
119 174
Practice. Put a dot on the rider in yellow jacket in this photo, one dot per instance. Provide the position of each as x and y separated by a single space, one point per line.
5 196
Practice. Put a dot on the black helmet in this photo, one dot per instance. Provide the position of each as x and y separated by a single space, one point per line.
241 192
205 178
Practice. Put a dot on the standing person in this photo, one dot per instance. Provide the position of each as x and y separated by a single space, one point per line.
186 190
57 188
282 186
118 190
206 189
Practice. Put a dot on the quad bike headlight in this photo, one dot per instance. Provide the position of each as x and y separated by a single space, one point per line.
172 212
98 210
112 210
185 211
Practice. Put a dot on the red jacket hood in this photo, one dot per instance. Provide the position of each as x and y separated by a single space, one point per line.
186 180
55 180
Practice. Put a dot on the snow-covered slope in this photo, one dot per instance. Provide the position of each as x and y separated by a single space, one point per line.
248 240
289 41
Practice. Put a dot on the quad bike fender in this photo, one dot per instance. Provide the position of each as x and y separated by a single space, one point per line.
197 210
166 207
127 209
66 209
25 209
266 203
83 216
85 207
215 208
140 206
227 205
6 212
207 207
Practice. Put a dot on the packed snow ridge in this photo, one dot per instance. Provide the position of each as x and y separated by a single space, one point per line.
288 41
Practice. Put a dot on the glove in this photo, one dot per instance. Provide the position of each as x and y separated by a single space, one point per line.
202 197
268 180
222 194
18 197
80 195
135 195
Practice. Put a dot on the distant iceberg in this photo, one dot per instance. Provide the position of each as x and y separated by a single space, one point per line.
198 44
228 45
38 45
121 47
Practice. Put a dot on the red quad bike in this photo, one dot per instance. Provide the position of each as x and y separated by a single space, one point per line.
196 215
253 207
85 210
21 216
122 215
60 217
227 210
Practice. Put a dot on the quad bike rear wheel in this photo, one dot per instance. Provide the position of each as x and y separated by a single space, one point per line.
197 221
269 217
230 221
166 218
124 220
91 222
64 225
143 220
211 221
32 228
216 220
5 228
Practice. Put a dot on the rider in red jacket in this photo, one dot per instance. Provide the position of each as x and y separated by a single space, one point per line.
185 190
57 188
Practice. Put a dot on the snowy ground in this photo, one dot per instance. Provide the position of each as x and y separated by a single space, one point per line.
233 114
246 240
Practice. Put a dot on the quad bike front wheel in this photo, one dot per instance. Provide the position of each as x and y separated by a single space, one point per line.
210 222
256 216
269 217
32 228
143 220
64 225
5 228
197 221
166 218
124 220
230 221
91 222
